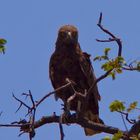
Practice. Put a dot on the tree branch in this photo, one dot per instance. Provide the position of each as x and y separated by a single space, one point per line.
113 37
72 120
51 93
61 131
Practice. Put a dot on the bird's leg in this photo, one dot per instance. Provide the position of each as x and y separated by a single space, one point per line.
78 102
67 109
66 114
78 111
81 103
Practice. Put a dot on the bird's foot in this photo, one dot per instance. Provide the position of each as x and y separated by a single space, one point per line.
65 116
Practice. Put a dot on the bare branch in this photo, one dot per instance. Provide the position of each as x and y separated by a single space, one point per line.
98 80
124 122
74 119
135 129
61 131
127 117
51 93
130 68
21 103
100 18
108 40
113 37
11 125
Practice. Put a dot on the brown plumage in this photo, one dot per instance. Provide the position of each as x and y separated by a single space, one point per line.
68 61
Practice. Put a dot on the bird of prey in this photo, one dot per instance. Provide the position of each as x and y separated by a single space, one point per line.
69 62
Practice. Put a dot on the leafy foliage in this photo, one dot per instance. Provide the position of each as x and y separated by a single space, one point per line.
111 64
2 45
116 136
106 51
106 138
117 106
132 106
115 65
103 57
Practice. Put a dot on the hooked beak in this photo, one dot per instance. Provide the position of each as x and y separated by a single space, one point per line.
69 35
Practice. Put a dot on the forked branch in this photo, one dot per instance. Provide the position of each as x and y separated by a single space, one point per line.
113 37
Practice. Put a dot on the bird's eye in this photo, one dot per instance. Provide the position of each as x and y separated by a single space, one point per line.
63 34
74 34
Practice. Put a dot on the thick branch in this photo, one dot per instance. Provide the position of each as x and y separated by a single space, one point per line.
73 119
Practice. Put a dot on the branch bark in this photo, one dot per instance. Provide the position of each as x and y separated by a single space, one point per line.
73 120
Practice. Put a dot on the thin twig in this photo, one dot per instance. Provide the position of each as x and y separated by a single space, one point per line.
35 105
32 118
31 97
98 80
108 40
124 122
53 92
11 125
130 68
31 111
126 116
21 103
61 131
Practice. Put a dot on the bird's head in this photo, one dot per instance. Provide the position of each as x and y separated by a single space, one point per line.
67 35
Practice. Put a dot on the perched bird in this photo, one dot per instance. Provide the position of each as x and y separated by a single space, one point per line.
69 62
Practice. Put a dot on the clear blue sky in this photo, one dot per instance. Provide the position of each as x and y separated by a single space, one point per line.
30 27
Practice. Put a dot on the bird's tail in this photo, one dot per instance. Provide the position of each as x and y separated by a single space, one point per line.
93 118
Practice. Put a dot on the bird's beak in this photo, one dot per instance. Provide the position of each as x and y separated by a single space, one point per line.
69 35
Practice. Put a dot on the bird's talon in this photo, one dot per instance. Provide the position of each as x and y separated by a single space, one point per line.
64 118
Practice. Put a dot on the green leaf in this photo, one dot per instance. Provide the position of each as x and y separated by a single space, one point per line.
106 50
2 49
119 70
3 41
107 66
117 106
104 57
96 58
120 59
113 75
132 106
117 136
106 138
